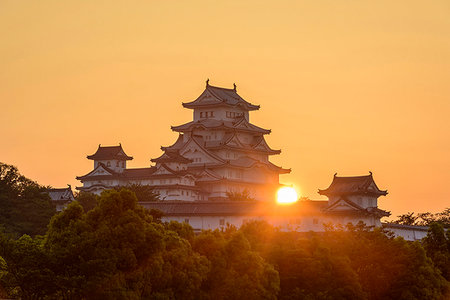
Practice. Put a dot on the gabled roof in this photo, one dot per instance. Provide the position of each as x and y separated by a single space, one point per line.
61 194
243 124
198 142
353 185
171 156
139 173
249 162
240 124
231 141
261 145
208 175
216 96
100 172
109 152
343 205
175 146
343 201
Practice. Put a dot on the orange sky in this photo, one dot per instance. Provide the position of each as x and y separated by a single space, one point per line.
346 86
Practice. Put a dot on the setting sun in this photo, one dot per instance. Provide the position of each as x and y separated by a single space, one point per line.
286 195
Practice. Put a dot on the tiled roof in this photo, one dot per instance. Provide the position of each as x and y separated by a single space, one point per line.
208 123
172 156
235 208
177 145
213 96
110 152
61 194
353 185
139 173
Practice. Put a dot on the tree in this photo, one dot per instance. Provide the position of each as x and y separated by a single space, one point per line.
240 196
406 219
425 219
25 206
25 267
87 200
437 247
236 272
144 193
117 250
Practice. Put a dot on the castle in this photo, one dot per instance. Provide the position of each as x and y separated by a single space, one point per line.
220 152
217 153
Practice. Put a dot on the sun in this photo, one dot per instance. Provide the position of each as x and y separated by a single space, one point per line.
286 195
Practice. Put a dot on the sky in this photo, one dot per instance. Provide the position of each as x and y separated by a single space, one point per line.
345 86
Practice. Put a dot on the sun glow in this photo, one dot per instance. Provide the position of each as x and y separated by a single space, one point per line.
286 195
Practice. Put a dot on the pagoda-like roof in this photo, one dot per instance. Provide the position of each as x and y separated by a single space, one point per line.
217 96
353 185
240 124
138 173
231 141
61 194
351 207
109 152
249 162
171 156
132 174
244 162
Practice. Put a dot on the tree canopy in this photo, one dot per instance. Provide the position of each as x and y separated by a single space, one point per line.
110 247
25 206
424 219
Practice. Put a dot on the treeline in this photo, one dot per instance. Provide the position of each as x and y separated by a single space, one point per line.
118 250
109 247
424 219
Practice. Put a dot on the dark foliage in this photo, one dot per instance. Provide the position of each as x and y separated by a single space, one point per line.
143 193
425 219
115 249
239 196
25 206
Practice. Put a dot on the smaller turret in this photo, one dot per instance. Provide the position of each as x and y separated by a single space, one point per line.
112 157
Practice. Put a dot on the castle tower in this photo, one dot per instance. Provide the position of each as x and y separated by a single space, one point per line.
218 152
228 153
355 197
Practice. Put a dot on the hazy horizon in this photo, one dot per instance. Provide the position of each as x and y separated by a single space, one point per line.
345 87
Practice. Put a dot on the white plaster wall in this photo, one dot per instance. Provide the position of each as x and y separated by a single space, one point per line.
299 223
409 234
220 113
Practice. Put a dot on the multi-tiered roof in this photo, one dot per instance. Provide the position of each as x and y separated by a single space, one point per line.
109 153
219 151
214 96
353 185
222 133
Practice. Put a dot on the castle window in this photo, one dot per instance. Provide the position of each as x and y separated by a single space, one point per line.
201 114
117 163
186 221
108 164
222 222
228 114
211 114
123 164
